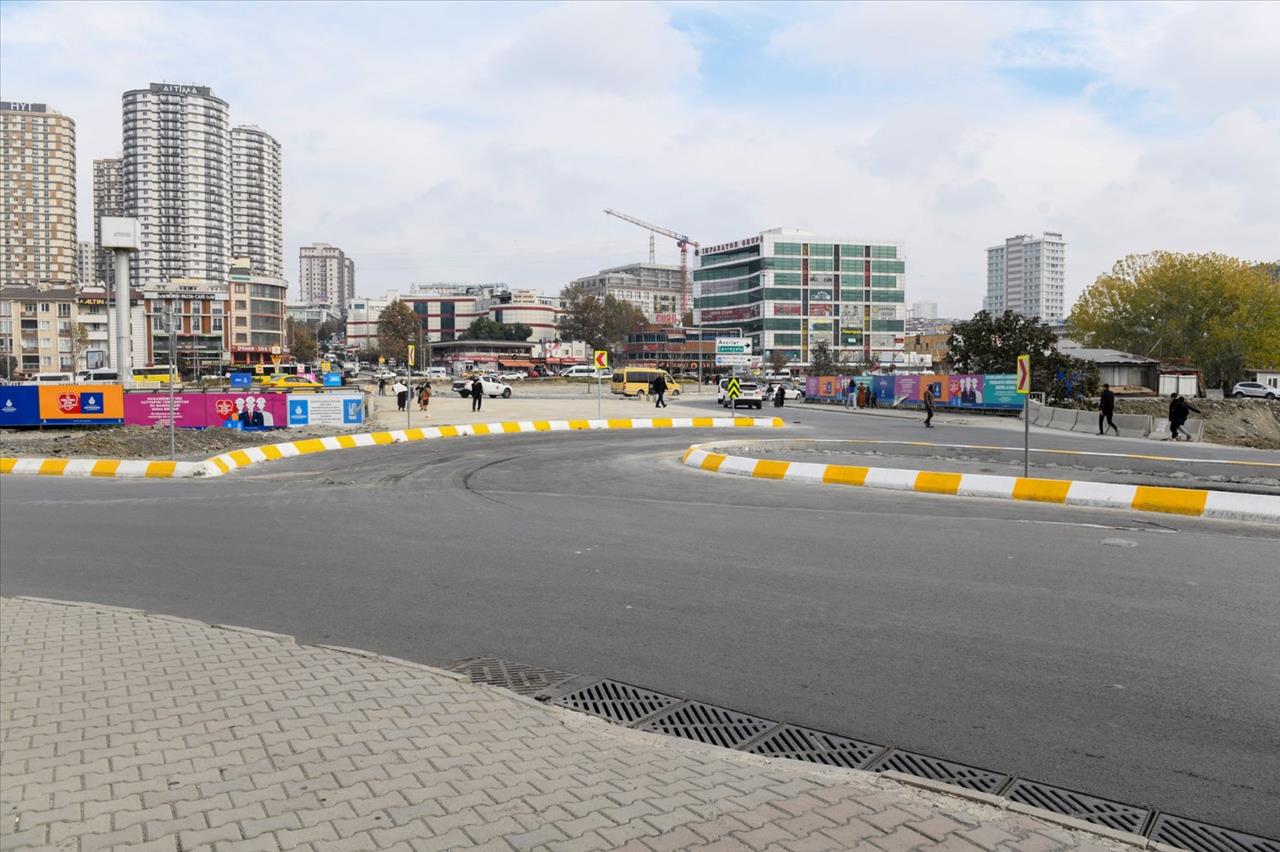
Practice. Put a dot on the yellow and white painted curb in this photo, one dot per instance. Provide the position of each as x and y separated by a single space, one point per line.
229 461
1145 498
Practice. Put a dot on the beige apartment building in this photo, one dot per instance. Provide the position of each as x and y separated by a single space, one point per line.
37 329
257 315
37 195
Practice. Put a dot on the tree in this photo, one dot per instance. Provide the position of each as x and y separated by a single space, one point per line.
303 346
777 360
822 362
992 344
397 328
602 323
329 328
1211 311
80 344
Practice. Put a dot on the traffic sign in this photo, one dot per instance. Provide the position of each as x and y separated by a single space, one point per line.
733 346
412 350
602 359
275 350
732 360
733 389
324 366
1024 374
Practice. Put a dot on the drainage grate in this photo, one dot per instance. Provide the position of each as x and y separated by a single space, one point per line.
709 724
517 677
794 743
1196 836
1115 815
617 702
923 766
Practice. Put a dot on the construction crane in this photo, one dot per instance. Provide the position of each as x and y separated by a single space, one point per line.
681 240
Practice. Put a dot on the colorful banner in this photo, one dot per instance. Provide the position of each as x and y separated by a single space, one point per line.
992 391
19 405
329 409
193 410
81 404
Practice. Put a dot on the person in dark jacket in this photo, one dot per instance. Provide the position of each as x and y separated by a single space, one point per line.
928 408
659 387
1179 411
780 397
1106 410
477 393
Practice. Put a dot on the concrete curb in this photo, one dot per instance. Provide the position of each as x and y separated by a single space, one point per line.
229 461
587 724
1194 502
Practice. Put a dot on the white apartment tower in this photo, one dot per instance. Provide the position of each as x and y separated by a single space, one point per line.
108 200
1027 275
257 229
326 276
37 195
176 179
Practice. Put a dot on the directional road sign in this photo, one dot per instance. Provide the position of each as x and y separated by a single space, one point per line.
412 350
733 390
733 346
1024 374
602 359
723 360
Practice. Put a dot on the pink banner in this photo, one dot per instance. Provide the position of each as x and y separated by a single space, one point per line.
201 410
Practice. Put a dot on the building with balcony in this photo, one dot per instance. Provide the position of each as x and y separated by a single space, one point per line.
654 288
37 195
326 276
788 290
257 207
95 314
108 200
1027 275
37 329
257 315
188 318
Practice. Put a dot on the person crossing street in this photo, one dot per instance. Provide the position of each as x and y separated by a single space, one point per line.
1106 410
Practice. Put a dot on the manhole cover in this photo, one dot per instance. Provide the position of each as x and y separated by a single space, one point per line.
1115 815
617 702
517 677
794 743
1196 836
923 766
709 724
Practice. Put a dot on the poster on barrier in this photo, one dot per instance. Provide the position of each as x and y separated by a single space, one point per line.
152 409
19 405
198 410
329 409
965 390
71 405
1000 390
883 388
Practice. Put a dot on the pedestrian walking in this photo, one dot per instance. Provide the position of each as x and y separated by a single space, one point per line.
477 393
424 396
401 390
1106 410
851 394
659 389
382 387
1179 411
928 408
780 398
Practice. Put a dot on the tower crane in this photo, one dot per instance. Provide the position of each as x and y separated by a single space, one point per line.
681 240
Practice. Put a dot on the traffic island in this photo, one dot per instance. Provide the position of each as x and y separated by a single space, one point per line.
736 458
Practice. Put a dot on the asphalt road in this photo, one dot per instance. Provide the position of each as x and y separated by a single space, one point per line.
1128 655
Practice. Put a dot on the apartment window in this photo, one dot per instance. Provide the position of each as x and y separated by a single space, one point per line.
44 307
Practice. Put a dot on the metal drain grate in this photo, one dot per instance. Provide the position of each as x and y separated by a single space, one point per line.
617 702
794 743
1115 815
1196 836
709 724
517 677
923 766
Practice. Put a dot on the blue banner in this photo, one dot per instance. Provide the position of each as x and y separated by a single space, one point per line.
19 405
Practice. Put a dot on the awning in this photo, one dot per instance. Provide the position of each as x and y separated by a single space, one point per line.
526 365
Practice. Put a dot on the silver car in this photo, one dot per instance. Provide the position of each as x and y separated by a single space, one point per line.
1258 389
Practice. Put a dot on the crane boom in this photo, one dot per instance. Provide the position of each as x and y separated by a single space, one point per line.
682 240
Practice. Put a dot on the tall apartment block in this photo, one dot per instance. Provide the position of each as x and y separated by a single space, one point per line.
108 200
787 290
257 229
326 276
1027 275
177 182
37 194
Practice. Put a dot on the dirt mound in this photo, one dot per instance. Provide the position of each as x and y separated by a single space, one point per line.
138 442
1239 422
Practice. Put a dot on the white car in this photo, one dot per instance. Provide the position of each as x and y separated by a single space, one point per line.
792 391
514 376
751 394
493 387
384 373
1258 389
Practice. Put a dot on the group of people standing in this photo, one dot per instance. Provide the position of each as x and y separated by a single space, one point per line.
402 391
859 395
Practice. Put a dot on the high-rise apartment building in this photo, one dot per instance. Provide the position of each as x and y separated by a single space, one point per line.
257 230
1027 275
326 276
37 194
652 287
787 290
176 180
84 262
108 200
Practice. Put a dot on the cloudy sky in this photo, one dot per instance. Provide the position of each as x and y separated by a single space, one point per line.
475 142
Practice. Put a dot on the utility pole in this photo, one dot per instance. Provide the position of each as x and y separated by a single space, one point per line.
173 357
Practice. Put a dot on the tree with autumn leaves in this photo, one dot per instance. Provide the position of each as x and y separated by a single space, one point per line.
1216 313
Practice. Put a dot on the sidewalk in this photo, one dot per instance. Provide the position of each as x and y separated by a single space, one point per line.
127 730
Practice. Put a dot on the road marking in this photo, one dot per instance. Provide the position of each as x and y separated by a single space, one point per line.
1142 456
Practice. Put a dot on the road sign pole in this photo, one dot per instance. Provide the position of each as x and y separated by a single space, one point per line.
173 356
1026 435
599 396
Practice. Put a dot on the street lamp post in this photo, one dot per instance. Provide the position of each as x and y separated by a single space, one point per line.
173 357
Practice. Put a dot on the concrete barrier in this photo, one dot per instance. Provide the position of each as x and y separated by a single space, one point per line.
1086 422
1160 430
1132 425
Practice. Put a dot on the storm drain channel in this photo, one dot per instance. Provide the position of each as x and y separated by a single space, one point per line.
649 710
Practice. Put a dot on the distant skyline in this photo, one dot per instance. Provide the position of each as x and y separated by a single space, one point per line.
445 142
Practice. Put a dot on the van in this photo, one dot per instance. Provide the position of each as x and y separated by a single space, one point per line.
584 371
52 378
634 381
775 375
103 374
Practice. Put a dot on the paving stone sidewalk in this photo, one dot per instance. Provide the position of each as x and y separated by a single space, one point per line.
121 729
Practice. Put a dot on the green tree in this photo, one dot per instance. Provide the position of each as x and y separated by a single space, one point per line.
329 329
1218 313
992 344
822 361
777 360
302 342
517 331
397 328
484 328
602 323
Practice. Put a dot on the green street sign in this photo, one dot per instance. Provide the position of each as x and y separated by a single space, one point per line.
733 390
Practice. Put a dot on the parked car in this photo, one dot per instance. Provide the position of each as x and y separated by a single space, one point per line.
437 373
1258 389
791 390
292 383
384 373
493 387
514 376
752 394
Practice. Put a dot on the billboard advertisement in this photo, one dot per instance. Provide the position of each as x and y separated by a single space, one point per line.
19 405
71 405
329 409
991 391
202 410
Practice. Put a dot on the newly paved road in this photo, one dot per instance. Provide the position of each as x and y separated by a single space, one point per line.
1132 656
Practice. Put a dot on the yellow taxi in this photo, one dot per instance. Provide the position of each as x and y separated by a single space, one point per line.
291 382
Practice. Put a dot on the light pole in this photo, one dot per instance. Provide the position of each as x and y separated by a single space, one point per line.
173 356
